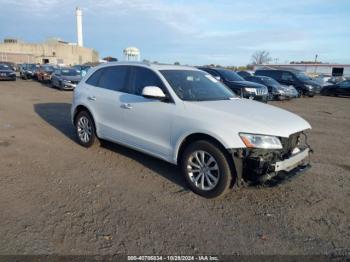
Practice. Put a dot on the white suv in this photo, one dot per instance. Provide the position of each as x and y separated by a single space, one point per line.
185 116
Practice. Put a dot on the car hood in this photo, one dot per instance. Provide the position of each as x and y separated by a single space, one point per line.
247 116
71 78
246 84
312 82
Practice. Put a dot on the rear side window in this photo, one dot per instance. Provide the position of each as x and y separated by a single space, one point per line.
143 77
94 78
287 76
114 78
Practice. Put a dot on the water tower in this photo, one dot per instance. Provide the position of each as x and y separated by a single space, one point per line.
131 54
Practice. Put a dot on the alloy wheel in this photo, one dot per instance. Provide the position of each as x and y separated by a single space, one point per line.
84 129
203 170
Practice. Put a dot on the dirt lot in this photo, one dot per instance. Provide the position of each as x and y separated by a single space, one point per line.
57 197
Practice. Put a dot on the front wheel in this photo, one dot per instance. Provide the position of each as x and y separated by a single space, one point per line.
85 129
206 169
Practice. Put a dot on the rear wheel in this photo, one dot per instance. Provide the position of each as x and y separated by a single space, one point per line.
85 129
206 169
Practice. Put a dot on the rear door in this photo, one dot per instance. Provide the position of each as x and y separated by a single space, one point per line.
106 89
147 121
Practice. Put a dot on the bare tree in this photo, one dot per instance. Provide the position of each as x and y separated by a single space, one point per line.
261 57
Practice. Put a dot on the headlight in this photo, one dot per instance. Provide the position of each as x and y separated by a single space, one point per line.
261 141
250 90
309 87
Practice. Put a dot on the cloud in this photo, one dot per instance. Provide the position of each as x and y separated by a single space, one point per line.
195 31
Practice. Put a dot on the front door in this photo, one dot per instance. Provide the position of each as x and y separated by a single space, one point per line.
147 121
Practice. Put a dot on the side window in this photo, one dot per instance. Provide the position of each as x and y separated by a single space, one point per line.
114 78
144 77
286 76
94 78
345 84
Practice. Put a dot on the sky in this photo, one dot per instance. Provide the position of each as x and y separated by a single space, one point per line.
194 32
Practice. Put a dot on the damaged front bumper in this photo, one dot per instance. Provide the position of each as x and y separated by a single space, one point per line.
262 165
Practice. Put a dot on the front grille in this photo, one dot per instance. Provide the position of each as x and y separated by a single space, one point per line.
261 91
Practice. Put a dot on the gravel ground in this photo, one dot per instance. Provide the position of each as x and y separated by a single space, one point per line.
57 197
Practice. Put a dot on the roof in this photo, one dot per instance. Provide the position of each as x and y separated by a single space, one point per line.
150 65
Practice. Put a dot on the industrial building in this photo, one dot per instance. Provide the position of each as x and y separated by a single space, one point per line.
53 51
313 69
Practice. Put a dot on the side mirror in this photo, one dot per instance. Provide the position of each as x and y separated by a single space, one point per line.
217 78
153 92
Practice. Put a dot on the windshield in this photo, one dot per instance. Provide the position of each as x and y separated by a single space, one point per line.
270 81
70 72
31 67
302 76
230 75
4 67
190 85
48 68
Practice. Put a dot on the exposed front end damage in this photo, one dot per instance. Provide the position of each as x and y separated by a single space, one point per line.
262 165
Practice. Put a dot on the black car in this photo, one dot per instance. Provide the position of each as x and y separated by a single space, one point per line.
339 89
304 84
7 73
237 84
27 71
65 78
277 91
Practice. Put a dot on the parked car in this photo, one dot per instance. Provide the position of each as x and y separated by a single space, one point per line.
336 79
304 84
322 80
27 71
276 90
65 78
237 84
186 117
339 89
11 65
44 72
7 73
83 69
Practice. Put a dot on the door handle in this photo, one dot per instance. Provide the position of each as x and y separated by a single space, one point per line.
92 98
126 106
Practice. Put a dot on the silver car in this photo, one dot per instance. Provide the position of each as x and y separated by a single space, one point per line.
188 118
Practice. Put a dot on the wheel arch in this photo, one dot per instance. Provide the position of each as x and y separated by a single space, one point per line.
81 108
190 138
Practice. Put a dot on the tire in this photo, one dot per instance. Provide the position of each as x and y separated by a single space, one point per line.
85 124
222 173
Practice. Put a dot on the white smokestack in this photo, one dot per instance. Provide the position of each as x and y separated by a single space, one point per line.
79 15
